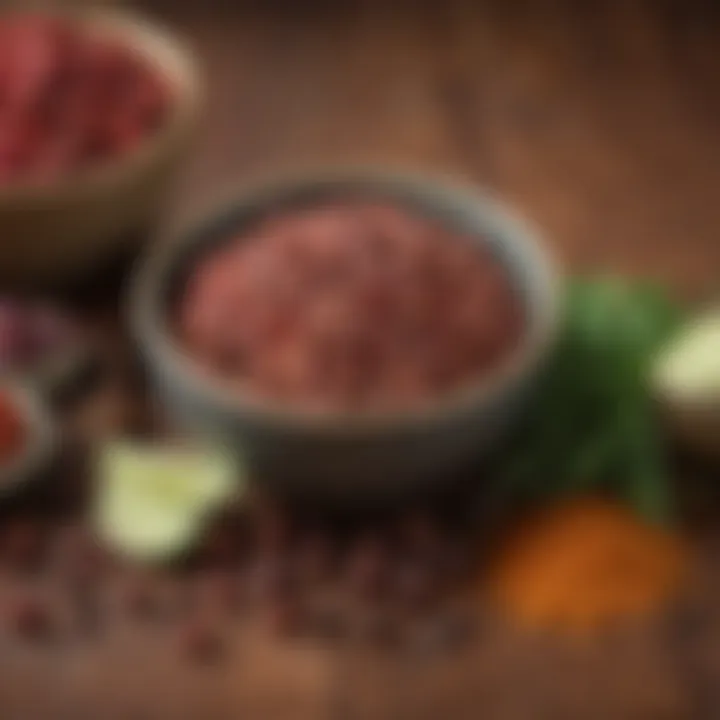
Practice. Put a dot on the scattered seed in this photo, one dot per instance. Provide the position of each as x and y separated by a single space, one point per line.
270 577
380 630
445 633
140 598
272 527
220 547
220 592
326 623
414 583
87 610
199 642
456 562
315 558
367 567
30 619
286 617
81 558
22 545
419 532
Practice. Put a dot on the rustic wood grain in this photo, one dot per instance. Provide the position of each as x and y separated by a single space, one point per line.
601 122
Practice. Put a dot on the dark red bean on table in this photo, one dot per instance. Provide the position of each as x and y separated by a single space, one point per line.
141 597
420 532
314 558
29 618
23 544
447 632
220 546
368 567
271 525
286 616
270 576
81 559
219 592
326 622
200 642
415 583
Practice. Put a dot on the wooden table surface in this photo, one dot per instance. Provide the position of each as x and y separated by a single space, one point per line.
601 122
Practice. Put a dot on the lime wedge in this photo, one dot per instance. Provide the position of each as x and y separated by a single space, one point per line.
152 502
690 367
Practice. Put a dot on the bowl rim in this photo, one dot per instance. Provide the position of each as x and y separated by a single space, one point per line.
147 314
171 55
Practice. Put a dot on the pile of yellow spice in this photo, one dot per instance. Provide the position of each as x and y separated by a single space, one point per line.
586 564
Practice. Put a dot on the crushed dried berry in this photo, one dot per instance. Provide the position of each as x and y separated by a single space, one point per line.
368 567
326 623
272 526
70 98
219 592
22 544
415 584
29 618
199 642
286 616
270 576
220 546
419 532
13 429
30 333
350 306
140 598
81 559
314 558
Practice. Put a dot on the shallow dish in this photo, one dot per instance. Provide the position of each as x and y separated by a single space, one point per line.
54 232
345 453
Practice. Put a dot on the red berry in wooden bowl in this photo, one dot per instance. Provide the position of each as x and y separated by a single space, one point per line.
70 99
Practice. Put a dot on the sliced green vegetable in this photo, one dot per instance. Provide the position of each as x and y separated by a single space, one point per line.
689 367
152 503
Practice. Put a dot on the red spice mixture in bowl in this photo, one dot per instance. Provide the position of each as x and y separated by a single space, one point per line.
96 109
350 331
350 306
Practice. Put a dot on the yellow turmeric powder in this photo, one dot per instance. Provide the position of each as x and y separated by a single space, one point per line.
585 564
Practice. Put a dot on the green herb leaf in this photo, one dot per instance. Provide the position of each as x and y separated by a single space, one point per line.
592 425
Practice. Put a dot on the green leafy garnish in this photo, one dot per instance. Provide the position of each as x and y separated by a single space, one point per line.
592 426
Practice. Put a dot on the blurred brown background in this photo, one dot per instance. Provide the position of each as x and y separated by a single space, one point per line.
599 119
601 122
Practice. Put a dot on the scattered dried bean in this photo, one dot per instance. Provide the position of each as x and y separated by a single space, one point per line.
200 642
29 618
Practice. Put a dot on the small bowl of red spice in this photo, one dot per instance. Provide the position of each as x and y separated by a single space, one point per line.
97 108
27 436
354 330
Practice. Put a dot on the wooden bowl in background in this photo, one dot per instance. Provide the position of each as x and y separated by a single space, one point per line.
53 233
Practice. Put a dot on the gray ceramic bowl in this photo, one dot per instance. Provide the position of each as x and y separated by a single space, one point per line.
348 455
